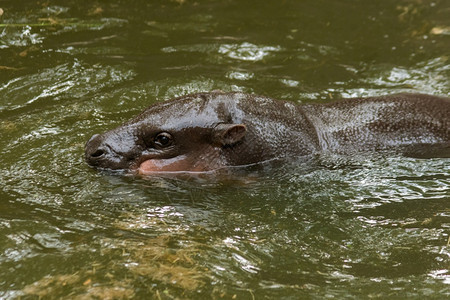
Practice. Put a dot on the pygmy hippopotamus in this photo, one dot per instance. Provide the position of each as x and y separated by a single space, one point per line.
209 131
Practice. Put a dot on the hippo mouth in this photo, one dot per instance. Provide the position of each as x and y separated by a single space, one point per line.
178 164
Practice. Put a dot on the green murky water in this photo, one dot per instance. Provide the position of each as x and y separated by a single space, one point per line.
331 227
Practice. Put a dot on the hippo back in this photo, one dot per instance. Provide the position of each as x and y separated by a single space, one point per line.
416 124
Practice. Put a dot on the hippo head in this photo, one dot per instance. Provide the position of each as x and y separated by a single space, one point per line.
194 133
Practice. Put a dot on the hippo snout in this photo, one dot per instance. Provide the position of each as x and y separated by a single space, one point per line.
101 152
96 150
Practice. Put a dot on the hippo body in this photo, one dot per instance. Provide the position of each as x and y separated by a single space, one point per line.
208 131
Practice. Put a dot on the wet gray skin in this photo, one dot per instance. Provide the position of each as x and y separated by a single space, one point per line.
207 131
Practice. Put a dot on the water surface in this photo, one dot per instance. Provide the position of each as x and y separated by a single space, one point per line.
344 227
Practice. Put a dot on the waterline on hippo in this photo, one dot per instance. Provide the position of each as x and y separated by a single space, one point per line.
208 132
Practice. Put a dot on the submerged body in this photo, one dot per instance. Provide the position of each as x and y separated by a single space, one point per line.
208 131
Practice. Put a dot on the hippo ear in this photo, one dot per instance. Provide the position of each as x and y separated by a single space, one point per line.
229 134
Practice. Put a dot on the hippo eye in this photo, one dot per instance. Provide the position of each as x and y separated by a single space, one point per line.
163 139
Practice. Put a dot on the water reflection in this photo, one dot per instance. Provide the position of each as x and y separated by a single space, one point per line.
247 51
63 82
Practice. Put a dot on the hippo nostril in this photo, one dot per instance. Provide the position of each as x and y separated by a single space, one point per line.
98 153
